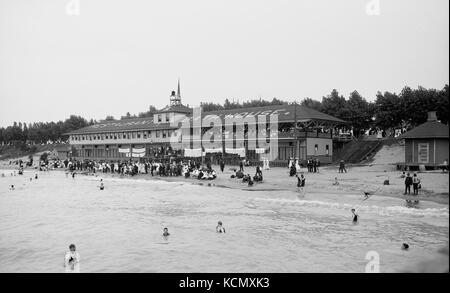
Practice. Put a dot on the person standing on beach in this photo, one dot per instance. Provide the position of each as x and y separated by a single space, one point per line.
342 167
72 260
415 183
408 183
222 165
241 166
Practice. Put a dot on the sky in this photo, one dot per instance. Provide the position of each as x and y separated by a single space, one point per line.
107 57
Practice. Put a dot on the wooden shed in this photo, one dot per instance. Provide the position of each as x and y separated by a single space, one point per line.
427 144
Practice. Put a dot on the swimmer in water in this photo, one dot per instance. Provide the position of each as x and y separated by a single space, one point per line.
72 260
355 216
36 176
12 187
73 175
102 186
405 246
220 228
166 233
301 181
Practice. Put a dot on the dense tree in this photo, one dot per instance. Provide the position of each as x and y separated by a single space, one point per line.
389 110
313 104
109 118
360 113
335 105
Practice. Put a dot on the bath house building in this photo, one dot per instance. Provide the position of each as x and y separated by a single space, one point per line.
426 145
173 132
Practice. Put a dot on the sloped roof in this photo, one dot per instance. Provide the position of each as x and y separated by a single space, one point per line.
122 125
286 113
430 129
177 109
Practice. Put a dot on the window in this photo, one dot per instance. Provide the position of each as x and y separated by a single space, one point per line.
157 133
124 135
422 152
145 134
159 118
133 135
169 133
139 134
167 118
149 134
128 135
316 149
327 149
164 133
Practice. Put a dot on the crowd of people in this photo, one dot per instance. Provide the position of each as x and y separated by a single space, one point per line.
167 168
247 178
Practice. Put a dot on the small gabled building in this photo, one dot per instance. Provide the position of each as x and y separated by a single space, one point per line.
427 144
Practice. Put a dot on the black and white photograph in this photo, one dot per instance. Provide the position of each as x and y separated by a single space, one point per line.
229 137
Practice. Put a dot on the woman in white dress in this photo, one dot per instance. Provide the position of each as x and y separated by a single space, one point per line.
72 260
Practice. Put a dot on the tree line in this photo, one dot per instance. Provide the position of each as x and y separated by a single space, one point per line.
405 110
42 132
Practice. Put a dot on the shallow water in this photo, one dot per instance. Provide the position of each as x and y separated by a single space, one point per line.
119 229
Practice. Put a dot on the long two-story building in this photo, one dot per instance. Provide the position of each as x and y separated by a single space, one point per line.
299 132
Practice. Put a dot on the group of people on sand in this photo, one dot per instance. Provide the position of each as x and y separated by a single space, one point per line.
294 165
164 168
413 181
247 178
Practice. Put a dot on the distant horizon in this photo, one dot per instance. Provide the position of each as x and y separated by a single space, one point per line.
109 57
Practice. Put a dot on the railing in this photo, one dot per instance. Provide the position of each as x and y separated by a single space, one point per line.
303 134
343 137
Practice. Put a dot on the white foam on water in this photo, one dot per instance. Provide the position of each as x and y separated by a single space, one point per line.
384 211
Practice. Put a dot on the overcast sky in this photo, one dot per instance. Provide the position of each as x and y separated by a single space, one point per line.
114 56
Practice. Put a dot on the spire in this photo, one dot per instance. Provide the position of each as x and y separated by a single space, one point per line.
179 91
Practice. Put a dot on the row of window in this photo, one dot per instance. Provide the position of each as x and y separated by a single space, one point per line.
159 118
124 135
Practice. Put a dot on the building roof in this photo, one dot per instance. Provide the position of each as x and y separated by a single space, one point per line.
122 125
176 109
430 129
286 113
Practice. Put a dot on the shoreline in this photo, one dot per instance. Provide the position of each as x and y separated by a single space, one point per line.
359 179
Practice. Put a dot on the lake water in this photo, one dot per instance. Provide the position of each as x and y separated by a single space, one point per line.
119 229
